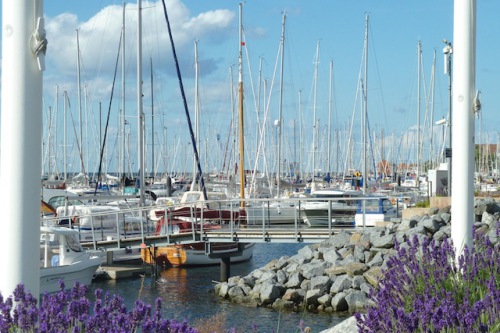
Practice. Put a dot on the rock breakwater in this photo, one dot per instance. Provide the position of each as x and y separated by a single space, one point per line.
338 274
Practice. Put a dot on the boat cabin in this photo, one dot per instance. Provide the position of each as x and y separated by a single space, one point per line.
376 209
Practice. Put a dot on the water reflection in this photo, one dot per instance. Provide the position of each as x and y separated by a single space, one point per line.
189 293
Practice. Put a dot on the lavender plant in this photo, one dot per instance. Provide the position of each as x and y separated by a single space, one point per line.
423 289
71 311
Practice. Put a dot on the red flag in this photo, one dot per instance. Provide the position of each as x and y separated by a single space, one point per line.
242 43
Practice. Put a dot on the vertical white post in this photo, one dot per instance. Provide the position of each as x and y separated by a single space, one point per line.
462 202
21 133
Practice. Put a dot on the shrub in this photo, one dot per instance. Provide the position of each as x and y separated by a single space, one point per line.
71 311
423 289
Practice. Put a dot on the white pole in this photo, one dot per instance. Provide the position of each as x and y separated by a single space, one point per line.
21 133
462 201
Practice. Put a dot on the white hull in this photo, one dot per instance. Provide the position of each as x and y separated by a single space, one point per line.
316 214
199 258
272 214
81 271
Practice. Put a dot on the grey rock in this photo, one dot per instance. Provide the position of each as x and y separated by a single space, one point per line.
357 281
341 283
349 325
292 295
356 300
430 225
312 297
313 269
294 280
223 290
337 241
235 292
336 270
446 216
373 275
385 242
355 268
322 283
488 218
282 304
331 256
267 276
377 260
281 277
339 303
306 252
406 225
269 293
366 288
325 299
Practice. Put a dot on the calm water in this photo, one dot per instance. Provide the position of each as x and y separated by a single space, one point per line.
188 293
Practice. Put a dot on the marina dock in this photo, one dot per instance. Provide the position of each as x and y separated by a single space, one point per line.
118 272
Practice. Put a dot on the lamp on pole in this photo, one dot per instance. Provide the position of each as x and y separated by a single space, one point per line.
447 52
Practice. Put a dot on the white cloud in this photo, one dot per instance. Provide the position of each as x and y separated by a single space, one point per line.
99 37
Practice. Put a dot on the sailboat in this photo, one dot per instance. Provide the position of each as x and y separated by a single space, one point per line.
195 211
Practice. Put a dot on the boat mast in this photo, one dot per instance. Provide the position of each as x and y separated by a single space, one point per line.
432 93
365 114
240 109
152 124
65 139
280 118
181 86
123 121
330 105
196 111
301 134
419 54
140 114
79 90
314 114
56 170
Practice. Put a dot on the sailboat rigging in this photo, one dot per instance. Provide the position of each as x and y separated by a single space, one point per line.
199 176
103 143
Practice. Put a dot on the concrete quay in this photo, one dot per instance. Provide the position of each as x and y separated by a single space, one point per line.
118 272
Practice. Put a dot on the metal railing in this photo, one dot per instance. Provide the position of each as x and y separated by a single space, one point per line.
234 224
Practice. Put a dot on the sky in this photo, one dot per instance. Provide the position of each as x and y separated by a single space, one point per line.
333 31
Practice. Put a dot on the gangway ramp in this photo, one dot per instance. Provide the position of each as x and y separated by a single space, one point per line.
275 235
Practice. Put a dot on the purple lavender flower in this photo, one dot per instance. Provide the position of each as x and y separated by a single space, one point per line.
71 311
424 289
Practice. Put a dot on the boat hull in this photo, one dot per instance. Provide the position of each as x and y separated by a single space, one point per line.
271 214
81 271
194 254
318 216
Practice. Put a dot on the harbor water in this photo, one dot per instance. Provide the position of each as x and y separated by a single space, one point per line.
188 293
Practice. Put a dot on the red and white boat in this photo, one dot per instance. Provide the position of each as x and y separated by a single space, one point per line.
196 213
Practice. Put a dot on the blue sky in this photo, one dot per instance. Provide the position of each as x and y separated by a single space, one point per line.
394 31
